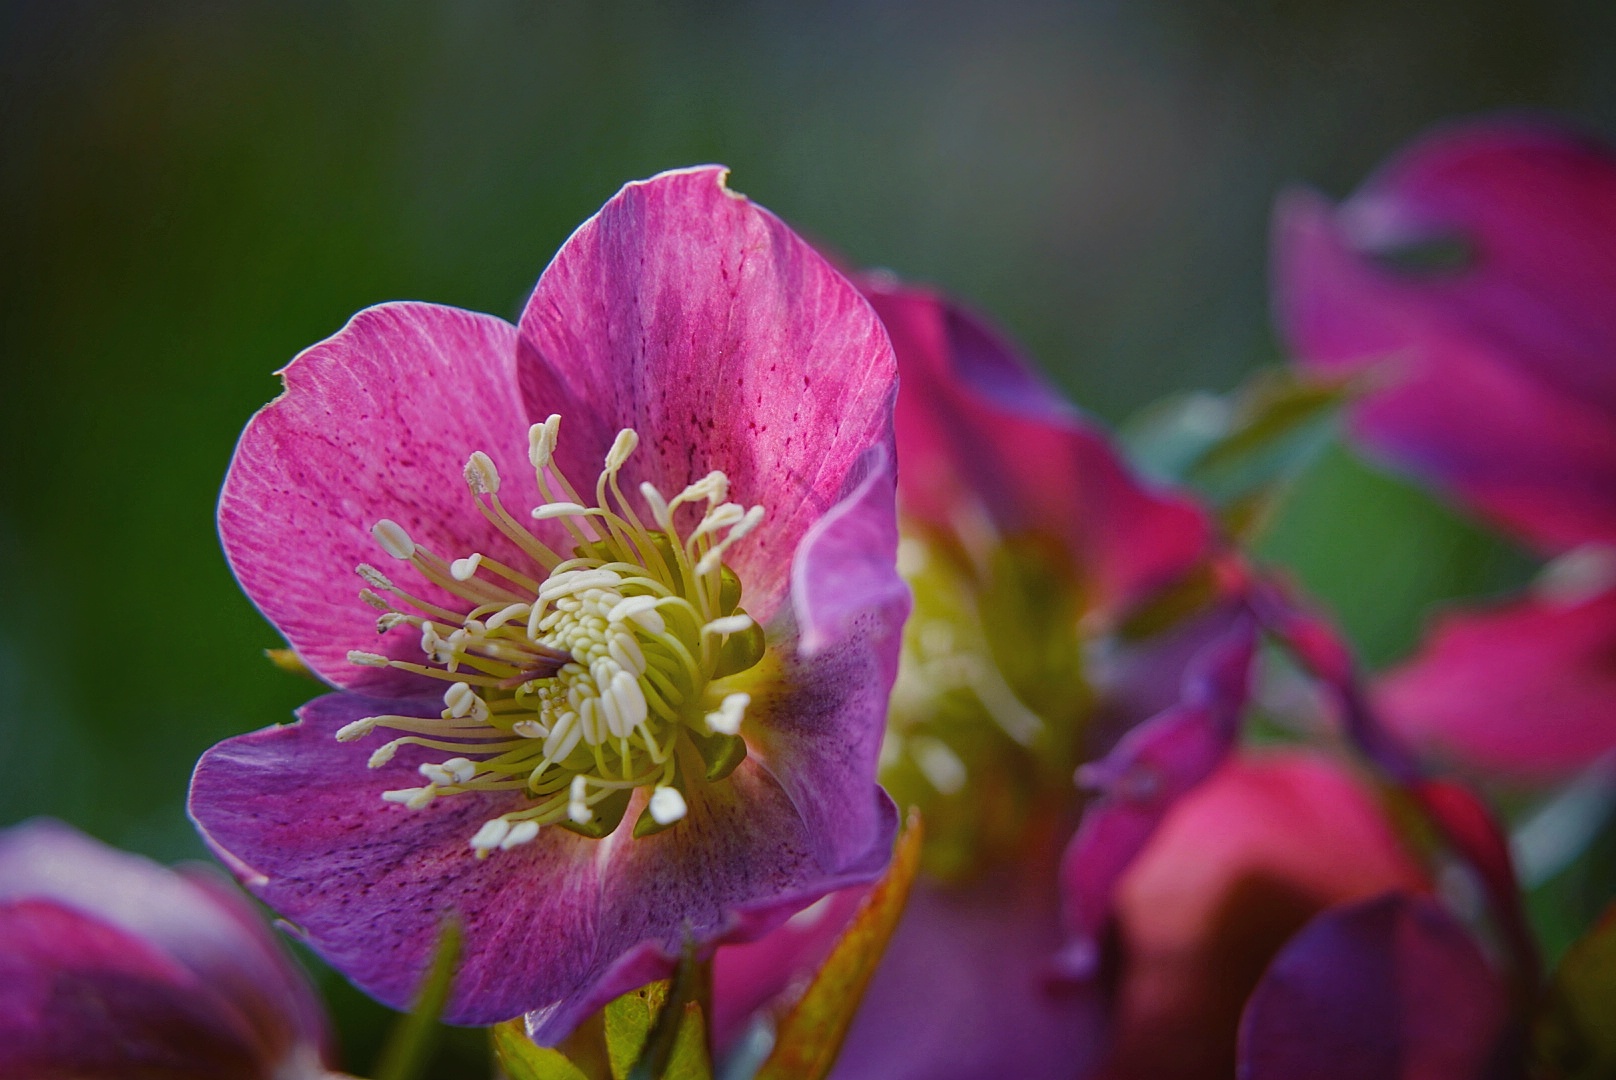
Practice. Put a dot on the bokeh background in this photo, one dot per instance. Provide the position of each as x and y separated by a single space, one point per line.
191 192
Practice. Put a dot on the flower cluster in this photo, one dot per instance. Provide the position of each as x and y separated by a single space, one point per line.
844 551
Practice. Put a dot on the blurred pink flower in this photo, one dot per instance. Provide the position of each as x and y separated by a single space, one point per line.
1472 283
113 967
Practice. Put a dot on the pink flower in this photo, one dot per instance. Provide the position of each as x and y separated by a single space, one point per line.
1030 547
1277 911
1493 377
602 716
112 966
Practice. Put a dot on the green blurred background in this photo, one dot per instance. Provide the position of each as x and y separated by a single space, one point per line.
192 192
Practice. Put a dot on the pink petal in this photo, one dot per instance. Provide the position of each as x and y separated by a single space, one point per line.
1388 988
691 314
1523 689
977 428
561 924
1235 868
1499 385
194 918
83 998
376 422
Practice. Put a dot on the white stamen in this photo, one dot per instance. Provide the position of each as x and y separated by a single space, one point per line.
718 517
373 576
657 504
641 610
414 798
529 729
393 539
940 765
481 476
577 809
390 620
505 615
368 659
630 700
729 624
521 833
714 487
558 509
489 836
541 441
459 698
383 754
731 711
356 730
564 736
667 806
460 768
435 774
575 581
466 569
430 640
372 599
622 447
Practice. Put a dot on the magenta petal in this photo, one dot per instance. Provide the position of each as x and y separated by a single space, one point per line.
977 428
1522 689
964 992
691 314
82 998
1386 988
1139 781
1499 385
197 920
376 422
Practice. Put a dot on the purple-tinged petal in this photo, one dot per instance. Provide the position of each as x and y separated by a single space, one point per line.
1525 689
560 924
1149 770
964 991
1390 987
1237 867
193 917
979 431
687 312
1497 380
375 422
81 998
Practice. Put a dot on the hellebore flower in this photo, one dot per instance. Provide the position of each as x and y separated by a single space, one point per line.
1030 547
1473 279
112 966
600 721
1275 911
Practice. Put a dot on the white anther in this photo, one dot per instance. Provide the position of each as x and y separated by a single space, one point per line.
641 609
710 562
667 806
541 441
729 624
462 769
457 640
577 809
731 711
380 603
390 620
714 487
430 640
718 517
489 836
630 700
393 539
626 651
622 447
939 764
460 698
373 576
383 754
612 708
414 798
466 569
751 520
657 504
481 476
529 729
521 833
575 581
368 659
505 615
564 736
559 509
436 775
356 730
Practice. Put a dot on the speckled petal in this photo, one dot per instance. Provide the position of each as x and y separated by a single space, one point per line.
376 422
684 310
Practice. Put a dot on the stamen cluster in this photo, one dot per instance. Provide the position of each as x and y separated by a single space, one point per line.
589 677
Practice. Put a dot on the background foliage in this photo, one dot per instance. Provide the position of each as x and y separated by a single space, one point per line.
191 192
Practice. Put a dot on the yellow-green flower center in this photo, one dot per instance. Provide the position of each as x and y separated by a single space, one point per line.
577 681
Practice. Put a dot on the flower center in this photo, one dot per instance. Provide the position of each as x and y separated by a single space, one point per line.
576 681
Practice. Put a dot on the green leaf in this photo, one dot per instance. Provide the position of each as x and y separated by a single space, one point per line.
1239 451
523 1059
409 1047
1574 1037
810 1035
658 1032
